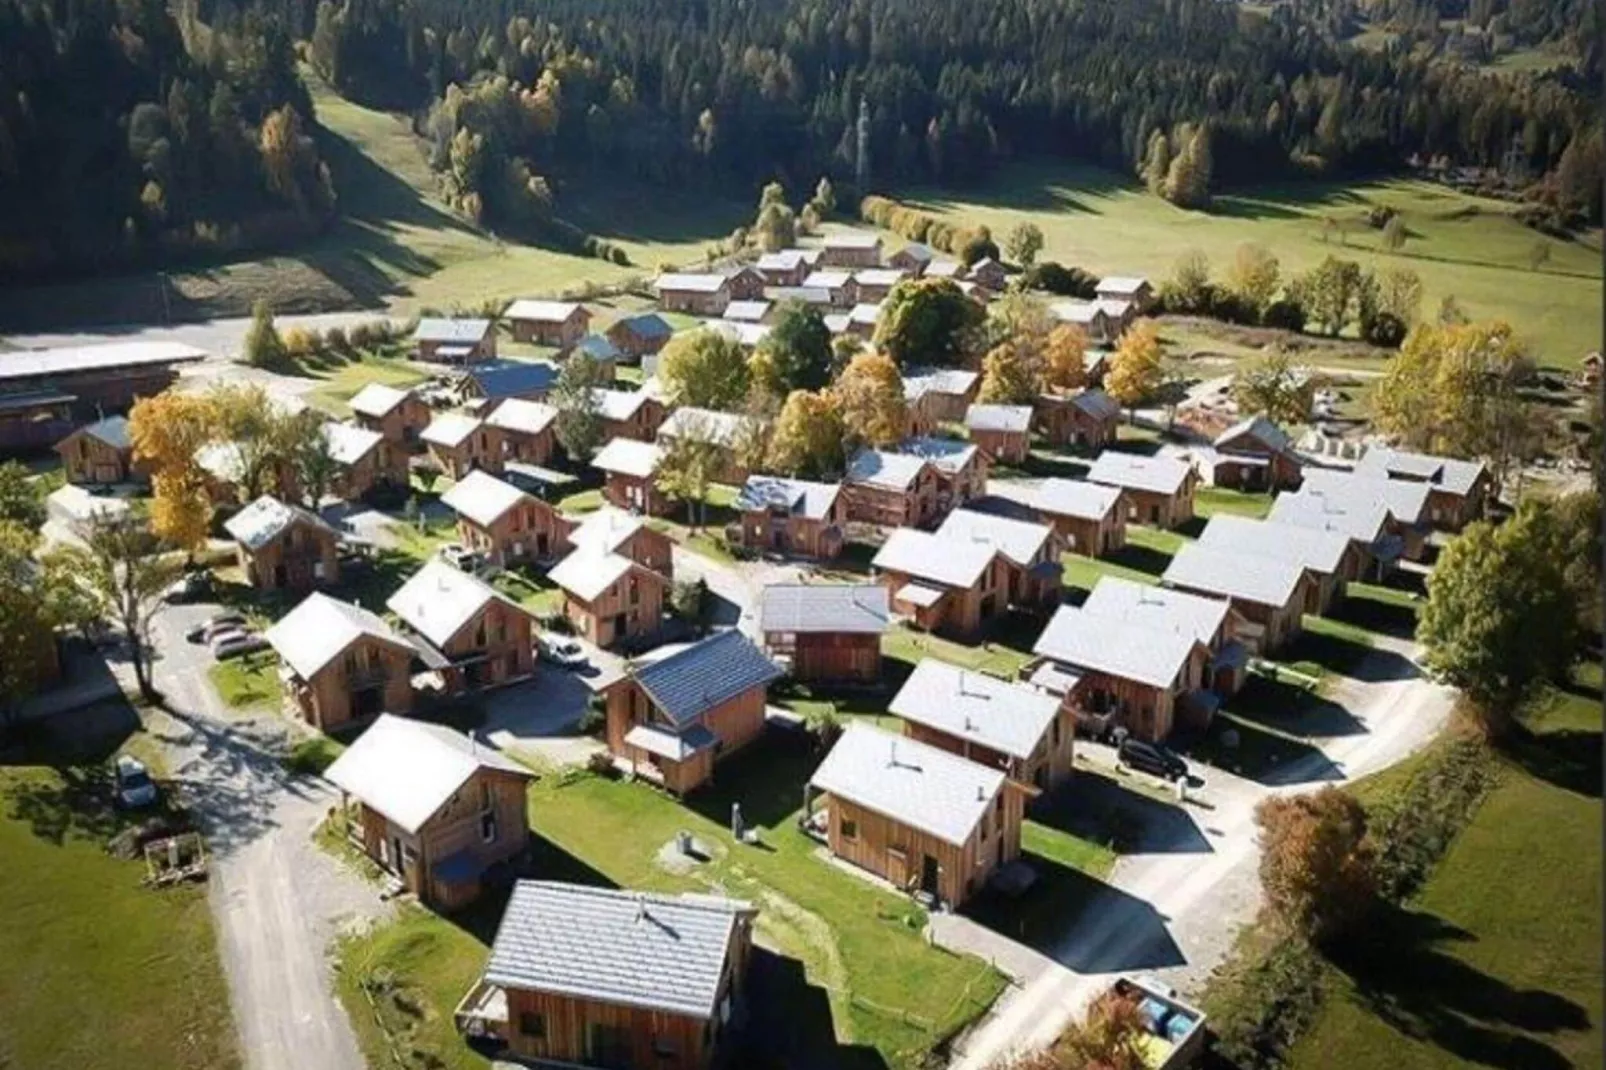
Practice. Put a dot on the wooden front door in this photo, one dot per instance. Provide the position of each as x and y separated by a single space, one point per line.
928 875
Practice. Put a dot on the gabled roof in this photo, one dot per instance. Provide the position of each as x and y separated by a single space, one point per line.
1274 438
597 347
1157 608
828 279
986 263
507 378
913 783
918 382
746 335
221 460
918 252
1018 540
690 682
590 570
945 269
1001 716
522 416
266 519
647 325
619 405
1096 404
945 454
606 529
1248 576
482 497
627 948
800 497
809 295
439 600
879 276
954 562
349 443
1073 498
851 239
112 430
1448 474
629 457
1148 655
450 428
1015 419
1406 501
320 628
785 260
691 282
1125 285
1114 307
884 468
407 770
541 311
857 608
705 425
445 329
62 360
1080 313
377 399
747 311
1320 551
1161 475
1361 521
866 313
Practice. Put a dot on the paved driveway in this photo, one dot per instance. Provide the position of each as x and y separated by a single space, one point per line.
737 587
540 718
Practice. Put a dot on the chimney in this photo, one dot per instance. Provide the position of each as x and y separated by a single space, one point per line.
981 796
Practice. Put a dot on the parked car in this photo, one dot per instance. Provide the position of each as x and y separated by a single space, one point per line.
234 644
561 650
1151 758
135 788
189 587
460 556
204 631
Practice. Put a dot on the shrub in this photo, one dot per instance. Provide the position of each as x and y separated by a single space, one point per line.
1260 1006
601 764
363 336
1056 278
336 341
1386 330
594 716
1230 307
1378 216
1415 827
311 757
301 343
1286 313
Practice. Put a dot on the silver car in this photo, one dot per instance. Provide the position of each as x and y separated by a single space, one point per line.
135 788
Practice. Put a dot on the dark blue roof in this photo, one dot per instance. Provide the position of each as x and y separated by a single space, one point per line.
693 681
648 325
506 379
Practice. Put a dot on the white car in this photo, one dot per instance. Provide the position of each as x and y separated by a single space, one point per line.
234 644
135 788
561 650
461 557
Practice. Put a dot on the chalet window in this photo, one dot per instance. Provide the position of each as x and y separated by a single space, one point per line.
635 592
665 1047
479 635
849 829
1054 732
501 631
488 826
532 1024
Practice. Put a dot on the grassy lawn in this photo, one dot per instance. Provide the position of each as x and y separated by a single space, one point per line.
903 644
248 682
420 543
1147 553
311 756
1208 501
343 378
530 590
1463 245
1486 966
100 971
580 502
860 948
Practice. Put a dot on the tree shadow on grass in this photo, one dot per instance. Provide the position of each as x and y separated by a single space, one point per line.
766 778
1567 758
1097 807
89 735
1346 657
1375 615
1285 707
791 1023
1407 975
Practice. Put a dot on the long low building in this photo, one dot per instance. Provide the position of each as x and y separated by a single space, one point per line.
45 393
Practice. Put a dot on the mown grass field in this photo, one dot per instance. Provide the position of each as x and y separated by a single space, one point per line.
1462 245
1499 957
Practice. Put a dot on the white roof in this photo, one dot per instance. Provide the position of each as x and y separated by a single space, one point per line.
851 239
540 311
913 783
855 608
264 519
1072 497
1018 540
785 260
920 381
1080 313
627 456
884 468
879 276
746 335
320 629
1405 500
751 311
606 529
945 269
866 313
705 425
376 399
482 497
828 279
1161 475
28 363
800 497
1114 307
1157 608
222 460
439 599
407 770
837 322
450 428
1361 521
1011 418
522 416
945 454
932 557
1002 716
1441 473
452 329
589 571
619 405
349 443
698 283
1318 550
1126 285
1083 640
1249 576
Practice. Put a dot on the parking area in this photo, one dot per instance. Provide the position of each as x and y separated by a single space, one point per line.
540 718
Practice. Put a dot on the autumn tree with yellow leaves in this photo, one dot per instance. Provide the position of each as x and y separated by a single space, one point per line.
869 393
807 440
1137 367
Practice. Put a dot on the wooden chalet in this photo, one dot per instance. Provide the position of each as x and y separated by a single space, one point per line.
506 524
1023 732
1089 518
640 336
850 249
930 823
224 468
46 393
340 663
581 976
890 489
694 294
283 547
1134 289
527 430
615 581
913 259
397 414
483 386
989 274
673 717
938 395
1330 558
434 808
960 466
364 461
789 516
559 324
636 414
1088 419
1405 503
788 267
459 444
628 468
466 631
1158 490
454 341
1003 432
872 285
1270 594
1091 317
1458 491
1255 454
839 284
825 633
727 432
100 453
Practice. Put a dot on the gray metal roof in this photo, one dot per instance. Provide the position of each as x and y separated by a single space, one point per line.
1361 521
1159 608
859 608
705 425
1252 577
913 783
691 282
1097 404
1406 501
597 347
809 295
1081 313
884 468
266 519
1318 550
65 360
1013 418
589 570
800 497
1122 285
1073 498
442 329
917 251
945 454
1160 475
506 378
970 705
482 497
954 562
1083 640
1448 474
634 949
690 682
647 325
785 260
747 311
627 456
319 630
1274 438
619 405
1018 540
112 430
851 239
